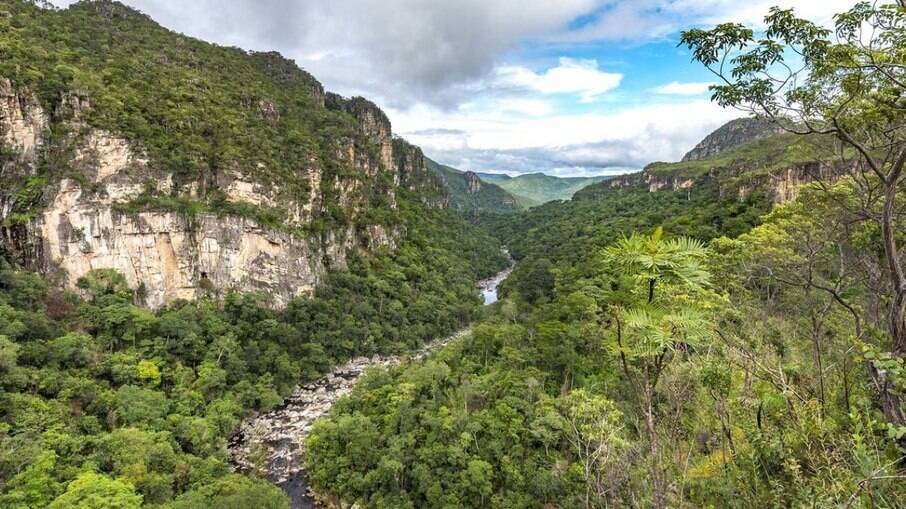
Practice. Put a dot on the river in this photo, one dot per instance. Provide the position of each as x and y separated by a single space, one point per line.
274 439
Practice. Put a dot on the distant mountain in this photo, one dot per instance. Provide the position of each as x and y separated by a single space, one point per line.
746 158
536 188
733 133
470 193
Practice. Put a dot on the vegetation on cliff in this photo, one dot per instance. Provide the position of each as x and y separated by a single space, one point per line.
470 193
104 402
628 365
197 111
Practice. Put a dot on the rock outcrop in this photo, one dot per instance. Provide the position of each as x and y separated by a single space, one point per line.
733 133
473 183
742 157
93 214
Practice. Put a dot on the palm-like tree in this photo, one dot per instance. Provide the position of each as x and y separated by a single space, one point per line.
659 309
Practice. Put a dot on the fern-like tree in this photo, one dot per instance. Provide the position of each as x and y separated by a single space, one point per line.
658 311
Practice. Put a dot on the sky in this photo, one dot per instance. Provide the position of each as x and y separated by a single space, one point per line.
564 87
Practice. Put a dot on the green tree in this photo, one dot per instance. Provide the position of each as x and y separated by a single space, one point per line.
233 492
96 491
847 84
594 431
659 309
34 487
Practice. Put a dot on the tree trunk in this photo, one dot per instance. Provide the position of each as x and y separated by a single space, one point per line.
658 490
890 399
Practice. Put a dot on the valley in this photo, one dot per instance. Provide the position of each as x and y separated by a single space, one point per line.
224 286
272 444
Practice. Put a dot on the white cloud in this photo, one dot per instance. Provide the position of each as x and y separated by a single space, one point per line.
677 88
571 76
454 78
483 137
532 107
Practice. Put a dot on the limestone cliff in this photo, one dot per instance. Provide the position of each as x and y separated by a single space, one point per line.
469 193
775 164
472 182
87 211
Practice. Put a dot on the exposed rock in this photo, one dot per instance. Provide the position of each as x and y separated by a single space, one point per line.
82 224
784 186
170 253
414 173
472 181
374 122
22 122
731 134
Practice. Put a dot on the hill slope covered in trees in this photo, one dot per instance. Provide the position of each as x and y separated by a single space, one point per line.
470 193
188 232
536 188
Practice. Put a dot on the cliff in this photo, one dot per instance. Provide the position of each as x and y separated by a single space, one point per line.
733 133
470 193
188 167
775 164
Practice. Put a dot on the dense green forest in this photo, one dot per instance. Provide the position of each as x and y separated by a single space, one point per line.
677 348
105 400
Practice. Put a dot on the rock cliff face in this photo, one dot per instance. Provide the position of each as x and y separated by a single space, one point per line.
80 215
731 134
414 174
779 185
472 182
742 157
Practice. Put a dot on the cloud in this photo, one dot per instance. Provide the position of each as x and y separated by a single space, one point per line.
485 138
571 76
495 84
677 88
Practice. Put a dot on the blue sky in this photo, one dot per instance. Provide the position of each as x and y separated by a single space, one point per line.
567 87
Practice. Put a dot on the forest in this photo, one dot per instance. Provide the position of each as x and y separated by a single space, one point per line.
701 345
679 348
107 404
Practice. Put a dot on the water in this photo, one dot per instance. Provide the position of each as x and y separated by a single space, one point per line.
283 429
489 287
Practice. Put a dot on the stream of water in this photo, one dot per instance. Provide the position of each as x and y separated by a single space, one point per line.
275 438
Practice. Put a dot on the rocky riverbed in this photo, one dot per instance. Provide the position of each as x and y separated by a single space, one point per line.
273 441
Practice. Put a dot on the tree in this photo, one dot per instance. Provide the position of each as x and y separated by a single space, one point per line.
34 487
594 431
658 309
848 85
96 491
233 492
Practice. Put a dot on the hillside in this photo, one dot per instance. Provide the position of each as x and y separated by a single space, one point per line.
536 188
469 193
729 135
186 166
187 232
775 165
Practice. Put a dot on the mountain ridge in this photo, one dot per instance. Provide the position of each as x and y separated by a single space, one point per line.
533 189
470 193
187 166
